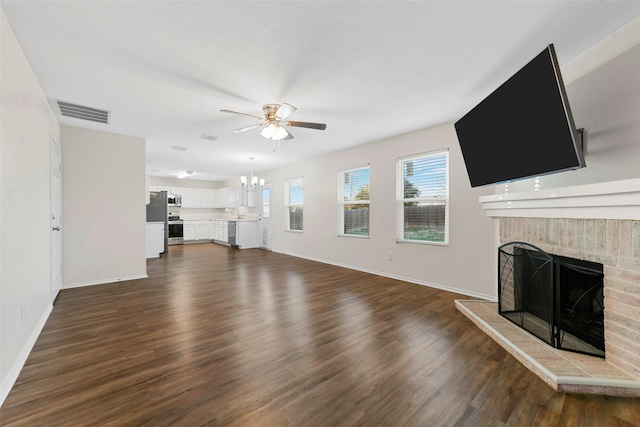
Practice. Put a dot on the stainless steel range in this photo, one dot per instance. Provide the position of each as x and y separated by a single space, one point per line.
176 229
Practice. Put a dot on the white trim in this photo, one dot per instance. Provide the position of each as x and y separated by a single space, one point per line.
604 200
103 281
620 41
490 298
13 374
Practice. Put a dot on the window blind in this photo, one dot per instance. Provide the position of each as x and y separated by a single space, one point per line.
294 199
353 202
422 197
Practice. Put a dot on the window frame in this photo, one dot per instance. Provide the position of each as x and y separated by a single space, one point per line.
400 200
342 203
288 204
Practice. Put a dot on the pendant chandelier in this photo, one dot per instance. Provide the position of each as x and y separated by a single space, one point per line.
249 185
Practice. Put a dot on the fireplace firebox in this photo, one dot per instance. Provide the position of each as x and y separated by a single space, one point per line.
558 299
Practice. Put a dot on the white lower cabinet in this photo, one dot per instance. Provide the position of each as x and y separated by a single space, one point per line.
220 233
212 230
247 234
202 230
155 239
197 230
189 229
217 230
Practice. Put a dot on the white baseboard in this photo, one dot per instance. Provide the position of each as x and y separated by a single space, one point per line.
103 281
396 277
11 378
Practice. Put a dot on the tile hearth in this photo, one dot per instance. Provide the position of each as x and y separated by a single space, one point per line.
562 370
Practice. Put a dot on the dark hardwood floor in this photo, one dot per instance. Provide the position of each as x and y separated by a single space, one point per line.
217 336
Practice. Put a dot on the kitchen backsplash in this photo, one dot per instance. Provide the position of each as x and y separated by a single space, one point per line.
205 214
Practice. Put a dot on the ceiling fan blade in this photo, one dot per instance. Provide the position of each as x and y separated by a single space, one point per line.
243 114
289 136
319 126
246 128
284 111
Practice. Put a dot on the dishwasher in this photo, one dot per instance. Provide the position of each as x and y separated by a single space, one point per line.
233 241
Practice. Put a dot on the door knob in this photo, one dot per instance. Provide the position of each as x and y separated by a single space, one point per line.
56 228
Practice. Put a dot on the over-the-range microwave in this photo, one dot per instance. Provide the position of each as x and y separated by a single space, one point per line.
174 200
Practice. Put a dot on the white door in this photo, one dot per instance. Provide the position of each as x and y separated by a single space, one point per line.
56 219
265 218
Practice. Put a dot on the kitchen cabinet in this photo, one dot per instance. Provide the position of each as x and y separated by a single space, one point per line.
207 198
197 230
189 230
197 197
155 239
247 234
232 197
190 197
248 198
202 230
225 198
218 231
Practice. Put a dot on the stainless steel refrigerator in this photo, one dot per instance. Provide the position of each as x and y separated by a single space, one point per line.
157 211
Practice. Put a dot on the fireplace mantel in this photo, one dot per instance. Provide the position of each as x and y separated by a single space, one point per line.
605 200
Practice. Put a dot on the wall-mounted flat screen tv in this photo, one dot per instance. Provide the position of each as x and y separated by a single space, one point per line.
522 129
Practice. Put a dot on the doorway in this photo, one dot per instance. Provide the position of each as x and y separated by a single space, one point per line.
56 219
265 218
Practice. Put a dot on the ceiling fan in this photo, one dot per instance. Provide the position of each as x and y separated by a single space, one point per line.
274 122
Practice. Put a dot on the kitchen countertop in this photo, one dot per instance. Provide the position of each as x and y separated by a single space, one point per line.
220 219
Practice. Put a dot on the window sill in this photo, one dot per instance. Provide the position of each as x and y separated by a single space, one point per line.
355 236
421 242
294 231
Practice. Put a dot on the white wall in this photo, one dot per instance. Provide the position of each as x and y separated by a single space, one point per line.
104 209
467 265
604 96
27 126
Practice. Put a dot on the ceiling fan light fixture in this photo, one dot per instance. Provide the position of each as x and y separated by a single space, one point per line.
184 174
274 132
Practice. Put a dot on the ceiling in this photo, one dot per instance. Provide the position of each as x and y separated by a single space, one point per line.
369 70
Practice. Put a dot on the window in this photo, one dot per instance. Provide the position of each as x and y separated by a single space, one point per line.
294 200
422 198
266 202
353 202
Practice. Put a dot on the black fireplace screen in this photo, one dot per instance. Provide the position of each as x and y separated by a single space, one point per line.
555 298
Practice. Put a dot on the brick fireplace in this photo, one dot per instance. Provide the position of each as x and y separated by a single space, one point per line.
598 223
610 242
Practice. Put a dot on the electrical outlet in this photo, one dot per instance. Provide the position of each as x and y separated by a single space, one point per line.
390 256
23 312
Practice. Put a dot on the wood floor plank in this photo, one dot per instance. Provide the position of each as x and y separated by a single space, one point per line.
224 337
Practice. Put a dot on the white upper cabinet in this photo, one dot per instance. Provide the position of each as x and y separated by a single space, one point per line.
232 198
225 197
248 198
197 197
207 198
190 197
204 197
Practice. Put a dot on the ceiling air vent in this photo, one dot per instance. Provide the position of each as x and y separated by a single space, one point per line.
208 137
67 109
179 148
